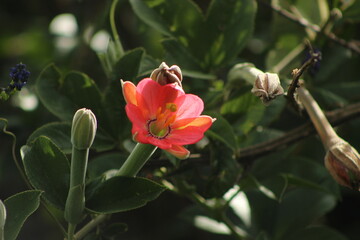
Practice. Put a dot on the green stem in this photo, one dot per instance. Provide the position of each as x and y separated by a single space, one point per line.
89 226
13 152
75 202
138 157
235 231
119 47
326 132
79 161
71 230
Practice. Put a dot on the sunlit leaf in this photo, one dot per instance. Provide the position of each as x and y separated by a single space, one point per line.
150 16
63 94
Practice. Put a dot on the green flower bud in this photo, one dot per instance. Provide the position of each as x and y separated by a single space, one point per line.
83 129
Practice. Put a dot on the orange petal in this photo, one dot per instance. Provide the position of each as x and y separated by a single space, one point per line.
129 92
203 122
178 151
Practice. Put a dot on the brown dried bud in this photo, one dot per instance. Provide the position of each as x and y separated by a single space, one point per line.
165 74
267 86
343 163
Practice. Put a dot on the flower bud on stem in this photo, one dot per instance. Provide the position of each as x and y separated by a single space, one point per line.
341 159
165 74
83 132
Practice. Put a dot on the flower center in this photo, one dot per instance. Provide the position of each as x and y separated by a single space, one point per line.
160 127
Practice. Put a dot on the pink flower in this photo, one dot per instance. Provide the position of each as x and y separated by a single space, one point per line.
164 116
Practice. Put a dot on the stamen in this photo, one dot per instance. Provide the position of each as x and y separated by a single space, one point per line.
171 106
170 120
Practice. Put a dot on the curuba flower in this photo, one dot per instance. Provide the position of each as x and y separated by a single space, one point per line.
164 116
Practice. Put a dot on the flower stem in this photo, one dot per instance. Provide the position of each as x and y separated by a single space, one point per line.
71 230
326 132
138 157
89 226
78 166
235 231
119 47
75 202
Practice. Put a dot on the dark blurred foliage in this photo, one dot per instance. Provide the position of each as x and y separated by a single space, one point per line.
25 37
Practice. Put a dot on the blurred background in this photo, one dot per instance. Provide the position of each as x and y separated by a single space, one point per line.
70 32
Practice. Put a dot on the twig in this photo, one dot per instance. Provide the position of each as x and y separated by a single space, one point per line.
314 57
335 117
303 22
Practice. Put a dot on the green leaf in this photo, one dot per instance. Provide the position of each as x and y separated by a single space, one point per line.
299 208
214 38
114 105
240 104
82 91
317 233
200 219
198 75
47 169
287 43
299 172
105 162
47 86
150 17
62 94
352 13
252 117
224 170
115 230
19 207
179 54
222 131
257 135
347 90
127 68
58 132
231 24
316 12
327 98
262 236
334 59
119 194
